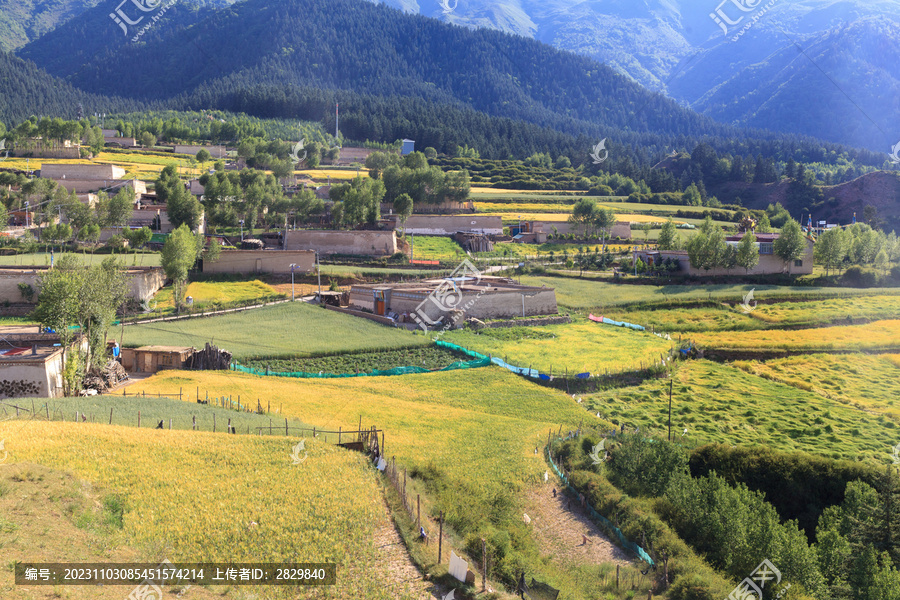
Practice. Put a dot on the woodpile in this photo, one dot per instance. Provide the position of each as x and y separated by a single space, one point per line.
106 378
210 358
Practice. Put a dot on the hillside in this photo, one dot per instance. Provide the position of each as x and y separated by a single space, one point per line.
880 189
390 71
27 90
756 80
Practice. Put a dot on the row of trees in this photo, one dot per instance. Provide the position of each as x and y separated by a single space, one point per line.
707 248
229 197
53 133
858 244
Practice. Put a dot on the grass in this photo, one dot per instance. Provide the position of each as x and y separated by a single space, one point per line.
544 250
466 438
427 357
583 294
41 259
207 294
725 317
868 383
359 272
184 415
341 174
285 330
582 346
207 497
432 247
722 404
876 336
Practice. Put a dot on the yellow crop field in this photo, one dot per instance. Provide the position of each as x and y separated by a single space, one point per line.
836 310
525 207
468 438
879 335
580 347
221 292
196 497
341 174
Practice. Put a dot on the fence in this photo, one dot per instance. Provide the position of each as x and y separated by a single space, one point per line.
625 542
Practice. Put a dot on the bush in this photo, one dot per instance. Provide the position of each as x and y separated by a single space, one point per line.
858 277
691 587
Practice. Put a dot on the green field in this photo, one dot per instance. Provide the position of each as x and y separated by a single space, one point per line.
427 357
184 415
433 247
583 294
868 383
725 317
285 330
582 346
719 403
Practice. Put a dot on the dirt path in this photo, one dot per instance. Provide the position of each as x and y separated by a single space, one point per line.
399 574
559 530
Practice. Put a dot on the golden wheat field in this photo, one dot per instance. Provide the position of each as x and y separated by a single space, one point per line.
878 335
197 497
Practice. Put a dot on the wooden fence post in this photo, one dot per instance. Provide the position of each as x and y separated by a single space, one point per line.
214 422
139 418
440 536
48 412
170 422
418 511
110 414
194 423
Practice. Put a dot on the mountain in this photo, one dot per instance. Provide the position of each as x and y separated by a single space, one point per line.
826 68
23 21
27 90
291 58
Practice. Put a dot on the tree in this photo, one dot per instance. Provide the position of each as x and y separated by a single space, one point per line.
583 213
791 244
707 249
203 156
103 291
403 206
830 249
179 253
668 236
183 208
881 261
764 226
747 252
430 152
119 208
148 140
58 309
646 228
691 196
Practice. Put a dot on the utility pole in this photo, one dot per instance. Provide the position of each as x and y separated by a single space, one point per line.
319 274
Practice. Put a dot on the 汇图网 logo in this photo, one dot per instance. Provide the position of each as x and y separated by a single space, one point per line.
448 295
745 305
594 454
600 147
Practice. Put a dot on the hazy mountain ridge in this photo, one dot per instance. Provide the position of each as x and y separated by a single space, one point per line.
674 46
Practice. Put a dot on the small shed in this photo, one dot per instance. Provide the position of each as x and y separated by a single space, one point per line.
150 359
409 146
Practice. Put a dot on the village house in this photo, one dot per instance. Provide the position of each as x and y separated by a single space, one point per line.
435 300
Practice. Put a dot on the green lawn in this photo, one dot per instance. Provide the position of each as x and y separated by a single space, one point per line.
284 330
723 404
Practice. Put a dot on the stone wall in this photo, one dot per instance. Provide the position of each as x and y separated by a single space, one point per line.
82 172
145 282
371 243
450 224
262 261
